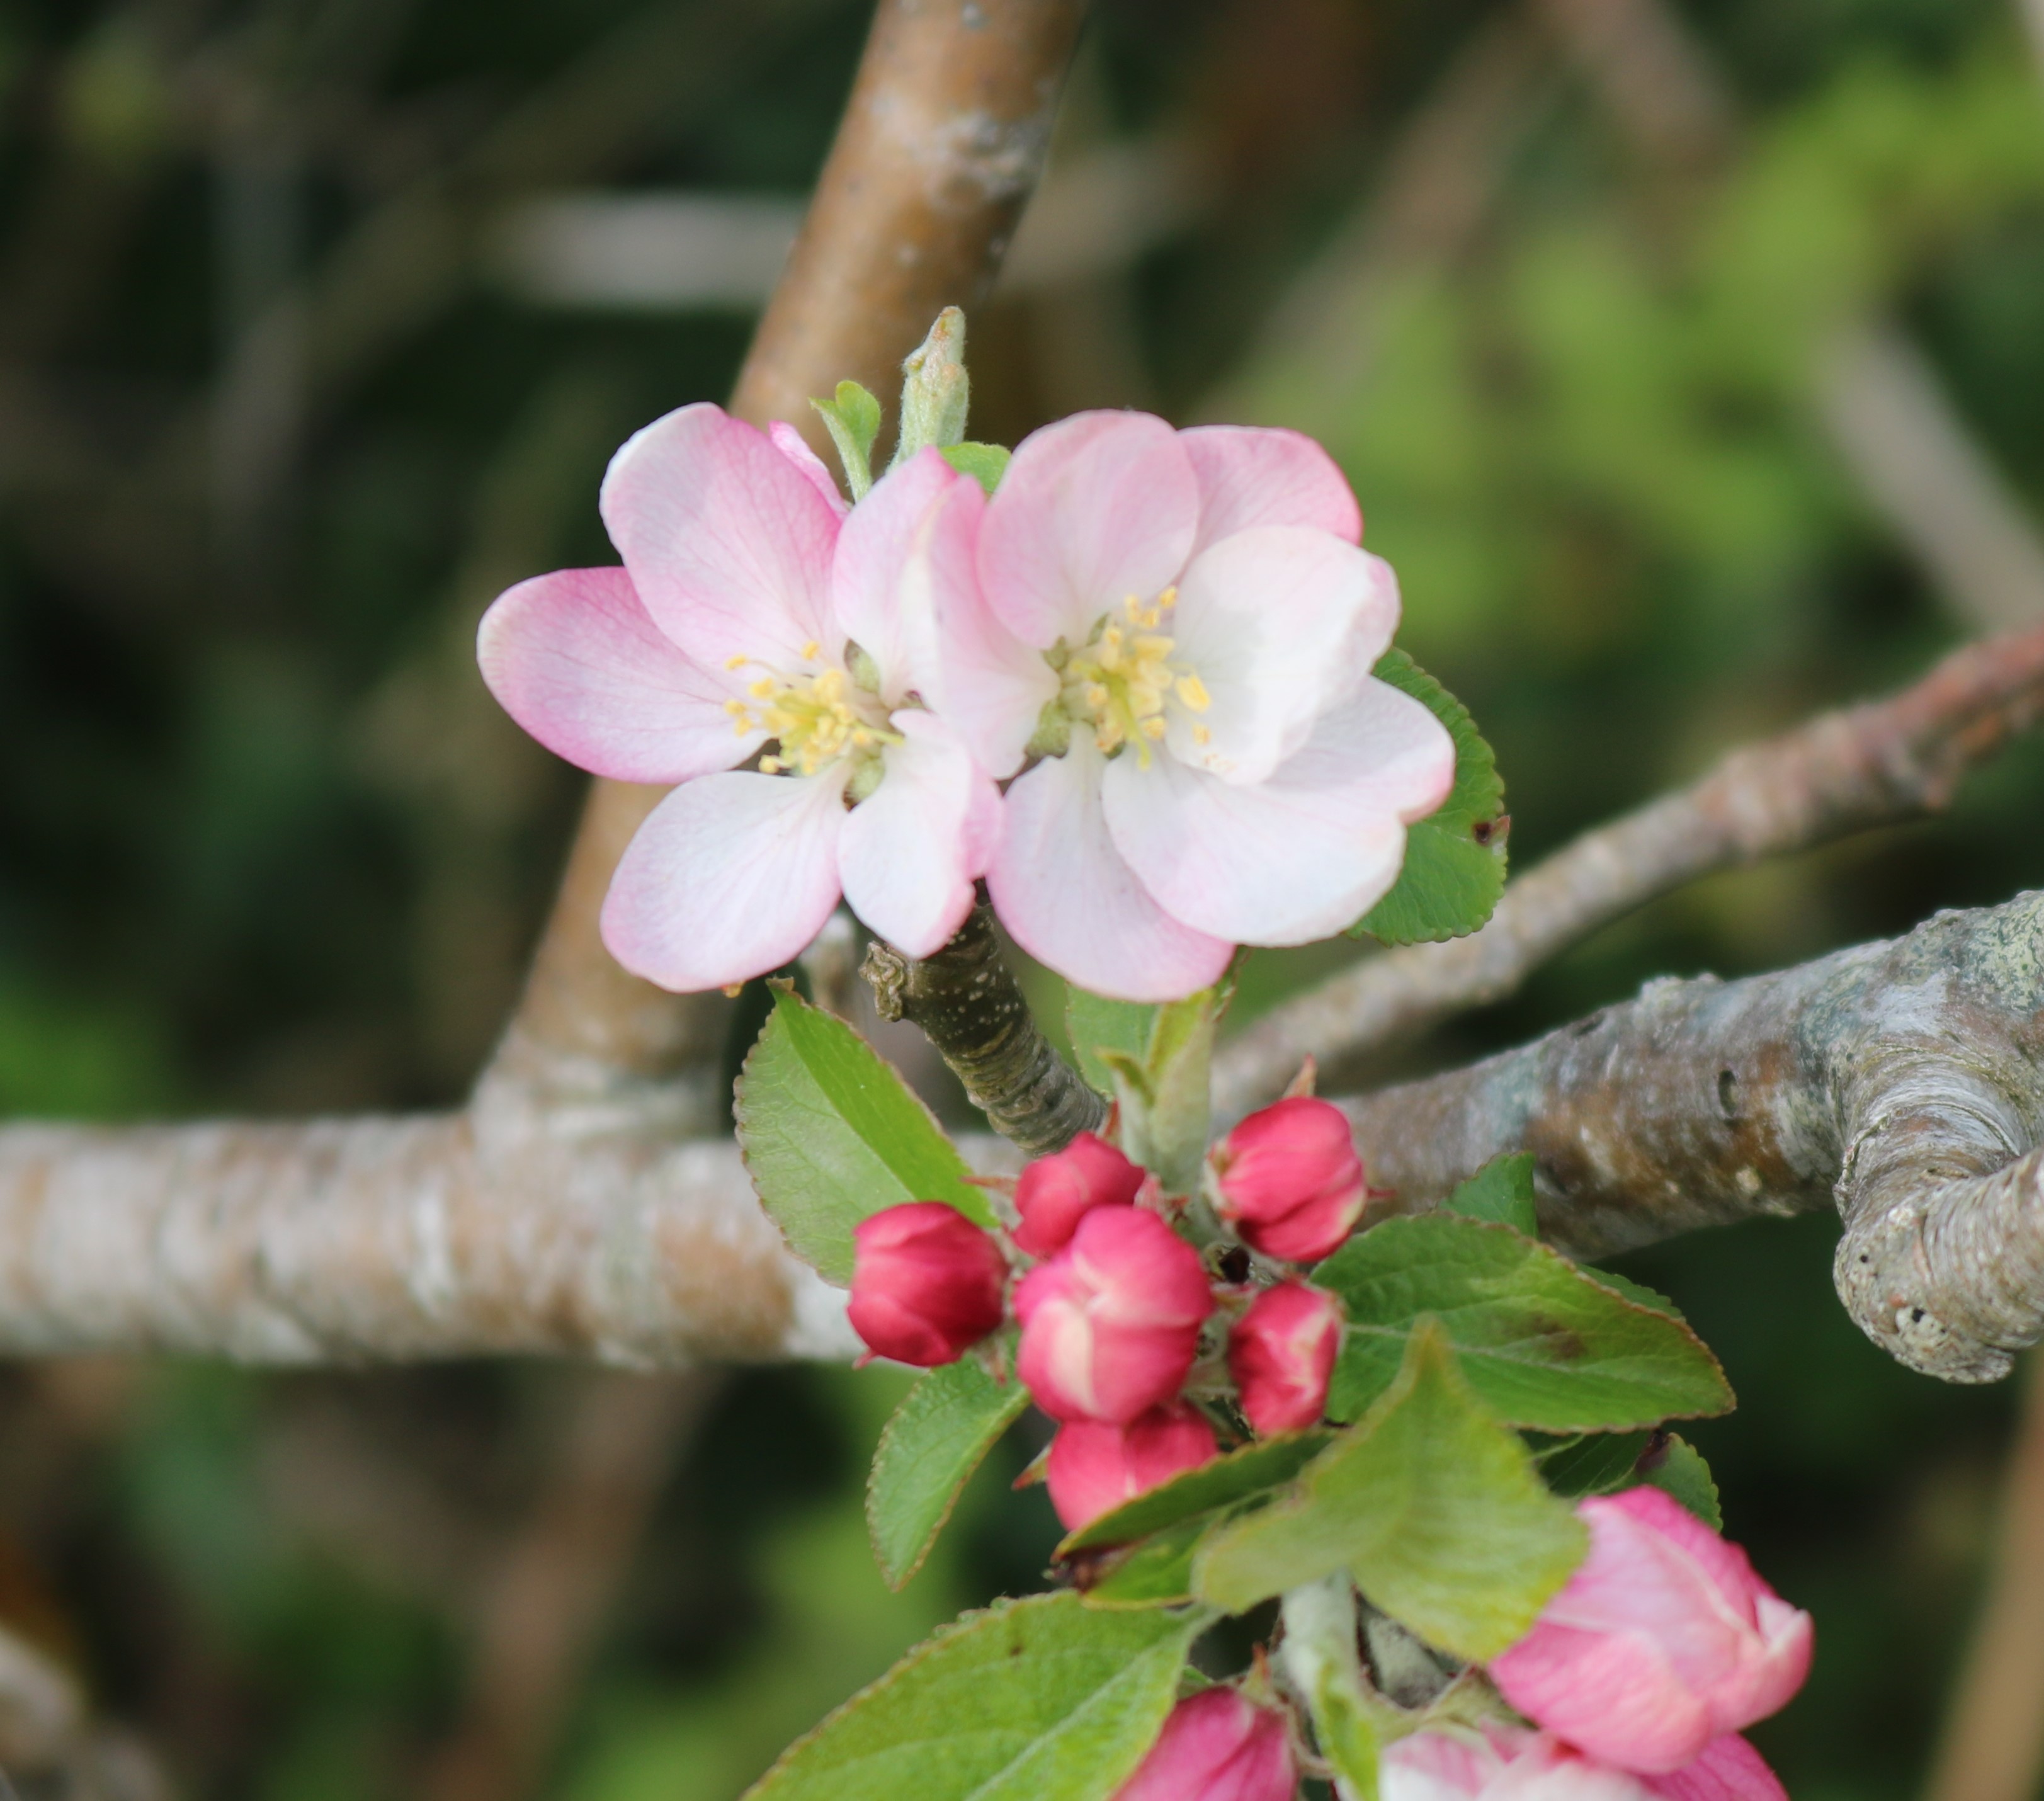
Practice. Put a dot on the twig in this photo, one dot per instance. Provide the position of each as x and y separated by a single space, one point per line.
1868 766
1992 1745
967 1003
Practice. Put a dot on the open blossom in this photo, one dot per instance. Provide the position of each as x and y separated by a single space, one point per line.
1281 1354
1110 1324
752 611
1664 1640
1095 1465
926 1283
1054 1192
1217 1746
1290 1182
1182 625
1519 1766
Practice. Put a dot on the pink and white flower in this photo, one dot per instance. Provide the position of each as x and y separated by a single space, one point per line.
1095 1465
1519 1766
1053 1193
926 1283
1217 1746
1663 1641
1181 626
1289 1180
754 609
1281 1354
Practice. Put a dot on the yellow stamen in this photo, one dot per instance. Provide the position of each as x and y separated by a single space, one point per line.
809 651
1194 692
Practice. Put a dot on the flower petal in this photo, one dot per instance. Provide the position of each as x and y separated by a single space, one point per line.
728 544
791 445
1065 893
577 661
1259 475
1093 509
984 680
729 877
873 553
911 850
1279 623
1383 740
1729 1769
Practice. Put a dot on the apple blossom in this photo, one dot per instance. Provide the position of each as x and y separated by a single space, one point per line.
1289 1180
1510 1765
1095 1465
1281 1354
1053 1192
1181 626
1217 1746
1664 1640
753 613
926 1283
1110 1324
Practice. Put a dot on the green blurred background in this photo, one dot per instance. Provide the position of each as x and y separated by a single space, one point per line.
318 320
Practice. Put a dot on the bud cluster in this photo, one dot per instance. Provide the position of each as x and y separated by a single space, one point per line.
1129 1334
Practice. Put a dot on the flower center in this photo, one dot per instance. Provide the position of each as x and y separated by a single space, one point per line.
1119 681
814 719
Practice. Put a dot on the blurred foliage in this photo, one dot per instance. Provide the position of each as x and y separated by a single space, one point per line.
272 434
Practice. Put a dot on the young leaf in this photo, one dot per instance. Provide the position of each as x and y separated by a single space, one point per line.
1321 1656
1544 1345
1156 1574
1097 1025
831 1135
985 463
944 1426
1432 1506
852 417
1251 1469
1454 859
1040 1699
1594 1465
1677 1467
1181 1087
1500 1192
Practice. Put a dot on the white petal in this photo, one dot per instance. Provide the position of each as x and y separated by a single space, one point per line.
1383 739
1278 622
1264 475
874 551
729 877
1065 893
912 849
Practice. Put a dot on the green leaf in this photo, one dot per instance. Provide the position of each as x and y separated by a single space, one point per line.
1156 1574
831 1135
945 1425
1677 1467
1637 1292
985 463
1040 1699
1432 1506
1500 1192
1097 1023
1454 859
852 416
1544 1344
1251 1469
1594 1465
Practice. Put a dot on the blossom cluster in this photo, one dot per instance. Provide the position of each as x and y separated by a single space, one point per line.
1131 692
1635 1683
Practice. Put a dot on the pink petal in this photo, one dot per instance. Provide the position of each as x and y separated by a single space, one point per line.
990 686
730 877
791 445
1437 1766
728 544
1093 509
1256 475
1723 1564
912 849
577 661
1730 1769
1616 1698
1279 623
1301 856
873 553
1064 892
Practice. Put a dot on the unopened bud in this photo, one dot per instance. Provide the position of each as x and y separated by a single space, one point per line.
1094 1466
1290 1182
935 391
1217 1745
1055 1192
1281 1355
926 1283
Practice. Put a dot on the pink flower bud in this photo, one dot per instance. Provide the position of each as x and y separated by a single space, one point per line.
1110 1324
1663 1641
926 1283
1217 1746
1281 1355
1291 1183
1094 1466
1513 1765
1055 1192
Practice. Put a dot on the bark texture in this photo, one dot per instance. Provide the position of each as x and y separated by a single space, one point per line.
1900 1081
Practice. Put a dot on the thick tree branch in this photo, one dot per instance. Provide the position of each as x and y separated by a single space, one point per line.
1900 1081
1867 765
